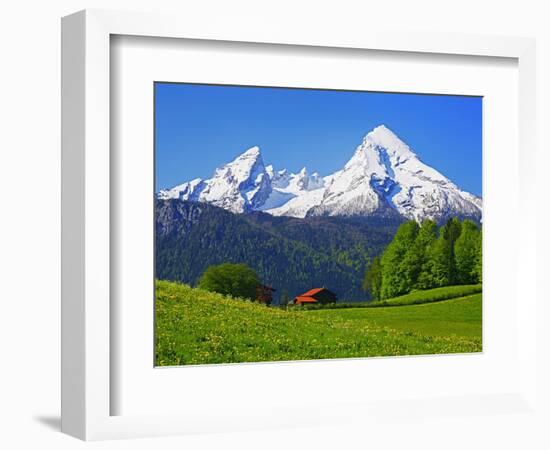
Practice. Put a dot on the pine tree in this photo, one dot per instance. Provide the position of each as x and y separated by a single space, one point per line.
438 265
466 253
425 243
394 269
372 282
417 255
478 264
450 233
440 268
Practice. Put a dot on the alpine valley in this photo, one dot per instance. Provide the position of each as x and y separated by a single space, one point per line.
300 230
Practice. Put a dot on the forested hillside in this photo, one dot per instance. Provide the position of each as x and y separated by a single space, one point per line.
290 254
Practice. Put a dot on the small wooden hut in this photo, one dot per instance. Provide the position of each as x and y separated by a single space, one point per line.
264 294
317 295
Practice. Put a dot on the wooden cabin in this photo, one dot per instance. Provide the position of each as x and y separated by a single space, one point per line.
264 294
317 295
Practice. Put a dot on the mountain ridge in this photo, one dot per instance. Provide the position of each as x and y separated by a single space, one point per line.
384 177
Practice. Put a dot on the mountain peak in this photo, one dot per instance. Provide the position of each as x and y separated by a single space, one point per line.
382 132
382 136
252 151
252 154
244 165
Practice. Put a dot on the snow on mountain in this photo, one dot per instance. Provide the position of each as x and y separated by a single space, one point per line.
383 175
240 186
185 191
297 206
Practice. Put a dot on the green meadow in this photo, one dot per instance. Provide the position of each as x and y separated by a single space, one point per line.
195 326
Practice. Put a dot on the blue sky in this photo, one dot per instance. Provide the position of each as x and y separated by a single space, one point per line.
200 127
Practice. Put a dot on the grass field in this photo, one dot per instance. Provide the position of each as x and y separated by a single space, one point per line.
457 317
431 295
413 298
199 327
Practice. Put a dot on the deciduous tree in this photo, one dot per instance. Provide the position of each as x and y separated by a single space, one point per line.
418 254
466 253
237 280
372 282
394 269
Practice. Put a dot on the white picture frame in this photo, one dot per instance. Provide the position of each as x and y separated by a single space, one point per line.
87 385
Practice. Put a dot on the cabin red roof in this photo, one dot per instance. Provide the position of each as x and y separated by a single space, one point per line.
311 292
309 296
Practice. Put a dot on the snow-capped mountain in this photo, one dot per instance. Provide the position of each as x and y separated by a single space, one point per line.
383 176
242 185
385 173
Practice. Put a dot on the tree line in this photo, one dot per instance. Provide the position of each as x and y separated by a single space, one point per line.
426 256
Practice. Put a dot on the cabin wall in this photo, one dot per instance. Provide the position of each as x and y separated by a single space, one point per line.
325 297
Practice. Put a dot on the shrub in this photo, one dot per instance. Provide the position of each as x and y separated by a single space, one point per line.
236 280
